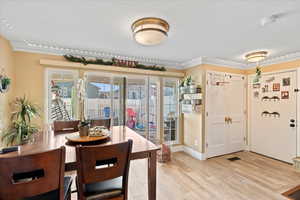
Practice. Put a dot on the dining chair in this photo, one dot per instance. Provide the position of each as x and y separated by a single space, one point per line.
100 122
102 171
60 127
38 176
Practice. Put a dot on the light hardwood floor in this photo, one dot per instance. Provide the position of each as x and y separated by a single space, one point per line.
254 177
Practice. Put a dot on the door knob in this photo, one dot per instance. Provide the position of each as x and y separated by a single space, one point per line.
292 120
292 125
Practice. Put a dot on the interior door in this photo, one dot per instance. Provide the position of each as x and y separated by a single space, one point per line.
216 134
273 116
235 104
225 117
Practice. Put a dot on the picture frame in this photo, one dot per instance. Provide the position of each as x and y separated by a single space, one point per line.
286 81
285 94
276 87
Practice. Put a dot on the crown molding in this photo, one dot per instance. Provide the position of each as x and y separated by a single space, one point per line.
59 50
281 59
39 47
213 61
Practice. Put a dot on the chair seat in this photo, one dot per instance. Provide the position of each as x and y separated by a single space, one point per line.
54 194
104 190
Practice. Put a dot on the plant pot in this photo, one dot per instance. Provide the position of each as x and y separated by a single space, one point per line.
83 130
192 89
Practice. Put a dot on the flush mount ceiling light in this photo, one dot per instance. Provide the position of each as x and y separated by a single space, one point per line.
150 31
256 56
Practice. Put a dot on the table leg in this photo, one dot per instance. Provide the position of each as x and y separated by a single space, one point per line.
152 176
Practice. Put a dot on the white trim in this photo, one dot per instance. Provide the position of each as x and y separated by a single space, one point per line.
194 153
177 148
188 150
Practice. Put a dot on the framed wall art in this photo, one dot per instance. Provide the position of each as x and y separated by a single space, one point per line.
276 87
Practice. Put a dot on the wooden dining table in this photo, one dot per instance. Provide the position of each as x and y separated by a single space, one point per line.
142 149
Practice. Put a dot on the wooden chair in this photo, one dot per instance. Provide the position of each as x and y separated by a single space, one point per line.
60 127
102 171
35 176
101 122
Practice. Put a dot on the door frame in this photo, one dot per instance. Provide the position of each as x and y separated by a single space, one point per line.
207 108
297 70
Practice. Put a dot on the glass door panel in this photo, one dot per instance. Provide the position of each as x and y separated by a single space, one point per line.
61 99
118 101
98 97
154 110
170 109
136 104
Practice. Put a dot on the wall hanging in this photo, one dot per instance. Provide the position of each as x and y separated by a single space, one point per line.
285 95
5 82
270 114
274 98
114 62
286 81
276 87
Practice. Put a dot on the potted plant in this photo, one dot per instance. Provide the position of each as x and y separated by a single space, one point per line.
21 129
4 83
84 124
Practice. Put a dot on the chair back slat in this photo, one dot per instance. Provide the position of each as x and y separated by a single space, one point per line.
101 122
100 163
32 175
65 126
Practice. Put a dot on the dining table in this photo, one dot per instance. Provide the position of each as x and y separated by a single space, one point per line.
142 149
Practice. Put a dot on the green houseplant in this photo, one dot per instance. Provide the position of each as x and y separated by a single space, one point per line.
21 128
4 83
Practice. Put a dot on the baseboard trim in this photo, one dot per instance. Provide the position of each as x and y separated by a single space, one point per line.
194 153
177 148
189 151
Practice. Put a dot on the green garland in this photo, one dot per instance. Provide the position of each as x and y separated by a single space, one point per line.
98 61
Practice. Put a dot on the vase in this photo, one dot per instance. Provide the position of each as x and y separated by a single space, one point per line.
83 131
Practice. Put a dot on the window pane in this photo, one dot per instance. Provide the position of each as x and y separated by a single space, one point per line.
98 101
170 110
62 95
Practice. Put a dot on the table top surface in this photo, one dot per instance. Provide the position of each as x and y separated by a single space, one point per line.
48 141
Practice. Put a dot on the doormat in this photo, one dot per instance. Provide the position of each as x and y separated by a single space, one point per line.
233 159
293 193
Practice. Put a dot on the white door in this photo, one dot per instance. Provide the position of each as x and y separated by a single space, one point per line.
225 99
235 104
273 134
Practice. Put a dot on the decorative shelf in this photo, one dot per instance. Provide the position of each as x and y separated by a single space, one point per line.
67 64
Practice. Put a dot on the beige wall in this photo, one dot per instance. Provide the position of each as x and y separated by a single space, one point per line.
6 62
277 67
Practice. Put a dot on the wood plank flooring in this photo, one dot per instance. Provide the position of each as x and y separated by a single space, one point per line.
254 177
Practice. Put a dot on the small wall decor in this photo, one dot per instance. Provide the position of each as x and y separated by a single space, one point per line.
276 87
270 79
258 75
286 81
270 114
285 94
265 88
5 82
256 85
274 98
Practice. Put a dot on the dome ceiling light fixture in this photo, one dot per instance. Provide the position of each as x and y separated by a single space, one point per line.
150 30
255 57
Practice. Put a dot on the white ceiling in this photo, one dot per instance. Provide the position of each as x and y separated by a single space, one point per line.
211 30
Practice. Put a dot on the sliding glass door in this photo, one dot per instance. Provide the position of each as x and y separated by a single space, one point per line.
146 104
137 104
